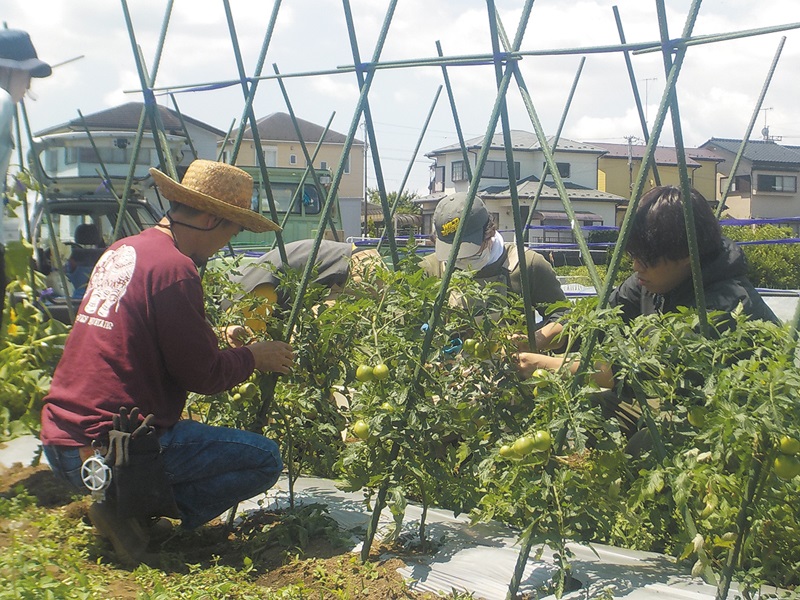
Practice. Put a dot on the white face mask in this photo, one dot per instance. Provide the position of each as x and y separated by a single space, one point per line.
475 262
487 256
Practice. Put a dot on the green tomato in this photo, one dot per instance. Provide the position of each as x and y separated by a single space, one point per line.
523 446
482 350
361 429
542 441
469 345
789 445
387 407
364 373
507 451
539 377
697 416
248 389
786 467
380 371
236 397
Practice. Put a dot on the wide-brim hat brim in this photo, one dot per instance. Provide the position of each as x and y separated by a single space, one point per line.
176 192
34 66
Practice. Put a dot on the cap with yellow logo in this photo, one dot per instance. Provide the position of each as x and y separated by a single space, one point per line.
446 220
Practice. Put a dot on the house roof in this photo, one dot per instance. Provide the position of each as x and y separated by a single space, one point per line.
664 155
126 118
757 151
524 141
582 215
278 127
526 188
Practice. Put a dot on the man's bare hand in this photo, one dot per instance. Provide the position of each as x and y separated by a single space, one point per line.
236 336
528 362
277 357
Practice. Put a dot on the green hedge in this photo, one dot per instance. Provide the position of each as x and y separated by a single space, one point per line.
769 265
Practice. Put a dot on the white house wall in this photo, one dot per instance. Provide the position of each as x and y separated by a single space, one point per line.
583 167
502 208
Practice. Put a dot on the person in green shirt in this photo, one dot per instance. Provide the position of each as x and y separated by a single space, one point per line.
484 253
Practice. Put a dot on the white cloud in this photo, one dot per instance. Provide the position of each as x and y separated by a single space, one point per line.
718 87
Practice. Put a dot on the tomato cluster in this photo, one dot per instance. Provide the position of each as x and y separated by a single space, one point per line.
379 372
523 446
786 464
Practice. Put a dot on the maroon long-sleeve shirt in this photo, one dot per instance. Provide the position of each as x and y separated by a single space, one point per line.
140 338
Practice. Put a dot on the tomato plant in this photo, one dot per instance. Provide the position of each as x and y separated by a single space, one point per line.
461 431
30 347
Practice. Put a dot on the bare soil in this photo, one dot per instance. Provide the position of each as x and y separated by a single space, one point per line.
324 567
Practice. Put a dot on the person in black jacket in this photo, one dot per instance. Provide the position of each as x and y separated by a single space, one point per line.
662 282
662 277
662 271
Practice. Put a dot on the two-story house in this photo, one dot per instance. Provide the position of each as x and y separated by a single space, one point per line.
577 164
66 151
765 183
281 148
619 167
69 153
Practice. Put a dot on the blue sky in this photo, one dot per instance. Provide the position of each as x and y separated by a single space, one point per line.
718 88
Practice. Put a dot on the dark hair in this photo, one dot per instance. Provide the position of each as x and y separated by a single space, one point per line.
489 229
184 209
659 228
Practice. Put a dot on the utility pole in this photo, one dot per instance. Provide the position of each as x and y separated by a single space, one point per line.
630 140
646 96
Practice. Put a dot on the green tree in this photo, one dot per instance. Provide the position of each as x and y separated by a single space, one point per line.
405 206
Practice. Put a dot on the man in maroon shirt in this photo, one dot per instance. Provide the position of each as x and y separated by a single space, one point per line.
141 340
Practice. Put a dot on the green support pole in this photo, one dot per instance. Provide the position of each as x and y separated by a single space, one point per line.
686 186
249 91
56 253
749 130
637 99
299 189
427 342
183 126
456 121
530 319
388 225
422 132
309 159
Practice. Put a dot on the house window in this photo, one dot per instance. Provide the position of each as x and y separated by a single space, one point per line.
270 157
498 169
457 171
293 159
563 169
106 155
437 185
741 184
323 165
777 183
51 160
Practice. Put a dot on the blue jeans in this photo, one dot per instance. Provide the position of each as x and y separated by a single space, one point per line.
211 468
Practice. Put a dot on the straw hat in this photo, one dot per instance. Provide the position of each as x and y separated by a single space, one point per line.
218 189
17 52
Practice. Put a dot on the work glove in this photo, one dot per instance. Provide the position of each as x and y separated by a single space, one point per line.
140 486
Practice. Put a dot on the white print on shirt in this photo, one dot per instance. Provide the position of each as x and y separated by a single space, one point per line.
108 284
